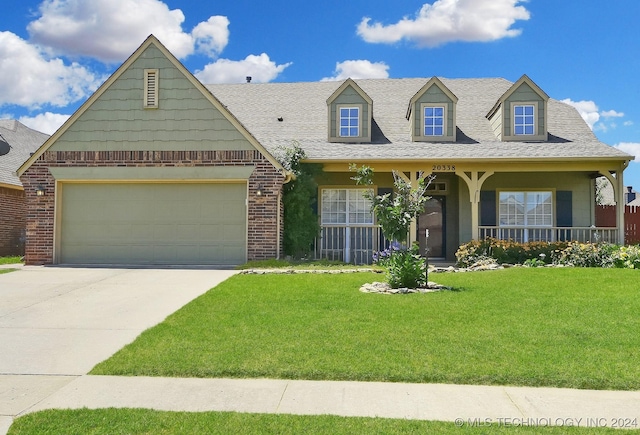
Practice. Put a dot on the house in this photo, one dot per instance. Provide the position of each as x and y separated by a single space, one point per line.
17 142
156 167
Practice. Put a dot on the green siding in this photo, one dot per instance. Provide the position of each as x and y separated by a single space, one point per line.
433 95
524 94
185 119
346 97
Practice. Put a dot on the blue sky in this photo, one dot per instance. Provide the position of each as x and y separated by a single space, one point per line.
55 53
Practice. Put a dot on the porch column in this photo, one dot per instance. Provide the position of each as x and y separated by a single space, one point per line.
617 183
474 180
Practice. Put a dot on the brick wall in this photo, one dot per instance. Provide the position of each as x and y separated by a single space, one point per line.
264 227
12 221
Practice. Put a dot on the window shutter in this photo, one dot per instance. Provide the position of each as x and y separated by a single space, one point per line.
488 208
151 88
564 211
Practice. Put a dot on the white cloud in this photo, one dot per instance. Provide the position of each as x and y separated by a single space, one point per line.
611 114
45 122
630 148
587 109
450 20
110 30
260 68
627 123
359 69
212 36
29 78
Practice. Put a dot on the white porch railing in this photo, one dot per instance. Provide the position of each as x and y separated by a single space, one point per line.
351 244
550 234
357 244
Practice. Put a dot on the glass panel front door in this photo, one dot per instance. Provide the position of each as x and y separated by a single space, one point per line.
432 219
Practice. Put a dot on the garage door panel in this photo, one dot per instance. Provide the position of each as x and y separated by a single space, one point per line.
153 223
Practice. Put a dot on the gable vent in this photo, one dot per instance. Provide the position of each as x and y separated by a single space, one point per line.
151 88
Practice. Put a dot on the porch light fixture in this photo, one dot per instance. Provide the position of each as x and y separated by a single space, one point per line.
259 191
40 190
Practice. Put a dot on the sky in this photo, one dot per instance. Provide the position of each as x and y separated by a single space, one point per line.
55 53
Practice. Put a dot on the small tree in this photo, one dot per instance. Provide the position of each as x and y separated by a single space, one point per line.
394 213
301 225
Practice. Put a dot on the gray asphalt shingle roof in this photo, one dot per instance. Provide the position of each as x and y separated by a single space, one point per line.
23 142
303 107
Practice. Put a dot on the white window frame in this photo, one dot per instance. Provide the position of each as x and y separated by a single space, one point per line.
351 211
425 117
358 118
356 209
151 85
533 213
524 124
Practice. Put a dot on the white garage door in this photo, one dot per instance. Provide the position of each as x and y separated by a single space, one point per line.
153 223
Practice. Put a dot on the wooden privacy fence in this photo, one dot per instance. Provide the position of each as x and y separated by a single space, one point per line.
606 217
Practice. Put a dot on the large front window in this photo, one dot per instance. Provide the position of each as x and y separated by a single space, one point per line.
434 121
348 233
524 119
345 206
349 121
525 212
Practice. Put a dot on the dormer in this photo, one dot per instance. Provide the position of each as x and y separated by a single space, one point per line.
350 111
520 114
432 113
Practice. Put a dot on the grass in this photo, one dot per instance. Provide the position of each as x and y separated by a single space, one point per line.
300 265
11 260
142 421
7 270
574 328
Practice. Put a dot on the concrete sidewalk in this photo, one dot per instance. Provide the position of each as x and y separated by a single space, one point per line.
463 404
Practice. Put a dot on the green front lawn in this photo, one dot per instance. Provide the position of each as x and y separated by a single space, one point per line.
143 421
576 328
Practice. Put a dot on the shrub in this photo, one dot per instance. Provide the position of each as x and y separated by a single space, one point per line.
627 257
404 267
586 255
507 251
535 254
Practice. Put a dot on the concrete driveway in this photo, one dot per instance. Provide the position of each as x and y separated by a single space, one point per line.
56 323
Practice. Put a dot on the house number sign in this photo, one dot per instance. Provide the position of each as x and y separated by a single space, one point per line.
442 168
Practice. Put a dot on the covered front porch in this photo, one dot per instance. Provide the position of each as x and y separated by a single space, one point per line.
543 201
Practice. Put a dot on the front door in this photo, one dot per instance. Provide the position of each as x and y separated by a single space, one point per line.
432 219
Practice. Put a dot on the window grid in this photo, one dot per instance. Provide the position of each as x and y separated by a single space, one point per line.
524 119
345 206
349 122
526 209
434 121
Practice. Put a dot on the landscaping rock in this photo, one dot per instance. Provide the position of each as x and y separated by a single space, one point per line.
384 288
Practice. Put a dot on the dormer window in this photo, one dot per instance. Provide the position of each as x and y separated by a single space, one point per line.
350 114
520 114
434 121
524 119
432 113
349 121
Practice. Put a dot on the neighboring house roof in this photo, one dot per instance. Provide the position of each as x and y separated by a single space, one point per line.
634 203
303 110
23 142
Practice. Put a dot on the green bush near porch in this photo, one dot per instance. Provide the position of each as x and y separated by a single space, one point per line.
556 327
539 253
